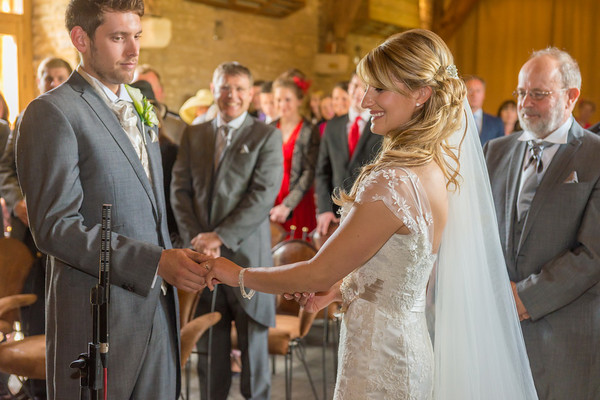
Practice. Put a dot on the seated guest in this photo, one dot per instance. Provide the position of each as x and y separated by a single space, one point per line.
295 204
507 112
267 103
489 127
340 99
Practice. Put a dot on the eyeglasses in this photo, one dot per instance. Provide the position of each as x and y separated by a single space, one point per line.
534 94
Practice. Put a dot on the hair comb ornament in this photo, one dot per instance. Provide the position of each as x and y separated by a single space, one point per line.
452 71
302 84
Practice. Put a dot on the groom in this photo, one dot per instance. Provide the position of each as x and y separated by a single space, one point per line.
83 145
546 186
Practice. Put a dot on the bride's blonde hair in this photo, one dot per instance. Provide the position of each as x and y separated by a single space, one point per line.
417 58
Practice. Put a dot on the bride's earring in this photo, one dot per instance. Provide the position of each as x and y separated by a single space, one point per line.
418 104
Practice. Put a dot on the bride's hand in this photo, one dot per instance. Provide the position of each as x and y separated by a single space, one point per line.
221 270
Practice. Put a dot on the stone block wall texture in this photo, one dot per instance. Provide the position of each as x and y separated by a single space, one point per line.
268 46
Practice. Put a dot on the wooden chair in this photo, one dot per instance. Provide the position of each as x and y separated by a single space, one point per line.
15 263
292 324
192 329
278 233
21 357
318 239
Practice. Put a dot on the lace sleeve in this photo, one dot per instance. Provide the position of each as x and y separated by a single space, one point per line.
402 193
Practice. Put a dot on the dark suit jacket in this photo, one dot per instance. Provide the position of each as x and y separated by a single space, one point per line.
491 128
233 201
304 163
334 168
73 156
556 261
595 128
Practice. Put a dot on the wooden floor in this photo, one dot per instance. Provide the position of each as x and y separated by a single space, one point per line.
301 388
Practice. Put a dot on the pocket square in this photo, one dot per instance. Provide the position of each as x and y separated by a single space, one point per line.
244 150
572 178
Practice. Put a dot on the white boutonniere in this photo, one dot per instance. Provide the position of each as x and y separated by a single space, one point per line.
144 108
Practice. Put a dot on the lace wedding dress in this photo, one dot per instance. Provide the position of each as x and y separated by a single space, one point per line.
385 348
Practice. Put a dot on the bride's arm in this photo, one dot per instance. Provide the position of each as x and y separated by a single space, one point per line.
365 230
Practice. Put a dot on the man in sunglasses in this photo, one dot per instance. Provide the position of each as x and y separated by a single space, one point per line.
546 186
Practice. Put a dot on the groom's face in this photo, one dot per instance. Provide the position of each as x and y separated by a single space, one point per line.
113 51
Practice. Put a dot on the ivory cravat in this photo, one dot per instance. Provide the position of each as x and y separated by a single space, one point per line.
531 176
354 136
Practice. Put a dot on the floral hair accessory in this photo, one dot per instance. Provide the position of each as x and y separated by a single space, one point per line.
452 71
144 108
302 84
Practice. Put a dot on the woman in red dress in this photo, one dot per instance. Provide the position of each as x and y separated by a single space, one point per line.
295 204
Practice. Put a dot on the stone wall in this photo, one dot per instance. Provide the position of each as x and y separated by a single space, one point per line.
268 46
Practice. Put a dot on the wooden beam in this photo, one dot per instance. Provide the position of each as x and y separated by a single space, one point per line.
446 21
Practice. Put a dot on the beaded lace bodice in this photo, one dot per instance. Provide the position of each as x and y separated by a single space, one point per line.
385 351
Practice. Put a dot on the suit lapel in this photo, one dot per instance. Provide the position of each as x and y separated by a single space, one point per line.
111 123
239 137
512 190
342 139
362 142
554 176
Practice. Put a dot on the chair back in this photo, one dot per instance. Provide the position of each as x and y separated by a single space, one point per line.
187 306
289 252
15 263
318 239
278 233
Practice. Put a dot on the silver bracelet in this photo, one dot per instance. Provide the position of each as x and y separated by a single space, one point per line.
242 288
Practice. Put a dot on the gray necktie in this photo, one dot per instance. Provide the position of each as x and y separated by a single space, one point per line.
223 141
531 176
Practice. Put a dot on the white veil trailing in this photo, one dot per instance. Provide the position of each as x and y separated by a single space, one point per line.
479 348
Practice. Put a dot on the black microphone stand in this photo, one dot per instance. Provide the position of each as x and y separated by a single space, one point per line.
93 365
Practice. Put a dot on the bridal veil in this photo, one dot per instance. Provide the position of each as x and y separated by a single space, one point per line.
478 344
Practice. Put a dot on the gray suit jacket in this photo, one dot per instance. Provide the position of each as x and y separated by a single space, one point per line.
72 157
233 201
556 262
335 169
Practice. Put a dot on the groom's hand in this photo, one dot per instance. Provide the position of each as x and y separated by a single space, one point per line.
182 269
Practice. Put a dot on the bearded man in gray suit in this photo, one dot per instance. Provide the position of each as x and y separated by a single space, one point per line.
225 180
546 186
83 145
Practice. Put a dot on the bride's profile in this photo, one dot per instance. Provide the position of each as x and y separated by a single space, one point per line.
424 204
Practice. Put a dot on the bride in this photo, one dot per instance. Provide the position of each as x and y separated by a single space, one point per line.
424 202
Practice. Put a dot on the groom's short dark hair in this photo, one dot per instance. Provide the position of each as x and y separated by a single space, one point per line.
89 14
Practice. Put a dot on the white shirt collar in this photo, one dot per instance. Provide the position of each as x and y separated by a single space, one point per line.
559 136
364 114
122 93
234 123
478 113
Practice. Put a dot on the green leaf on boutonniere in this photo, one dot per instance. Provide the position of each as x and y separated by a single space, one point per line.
144 108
